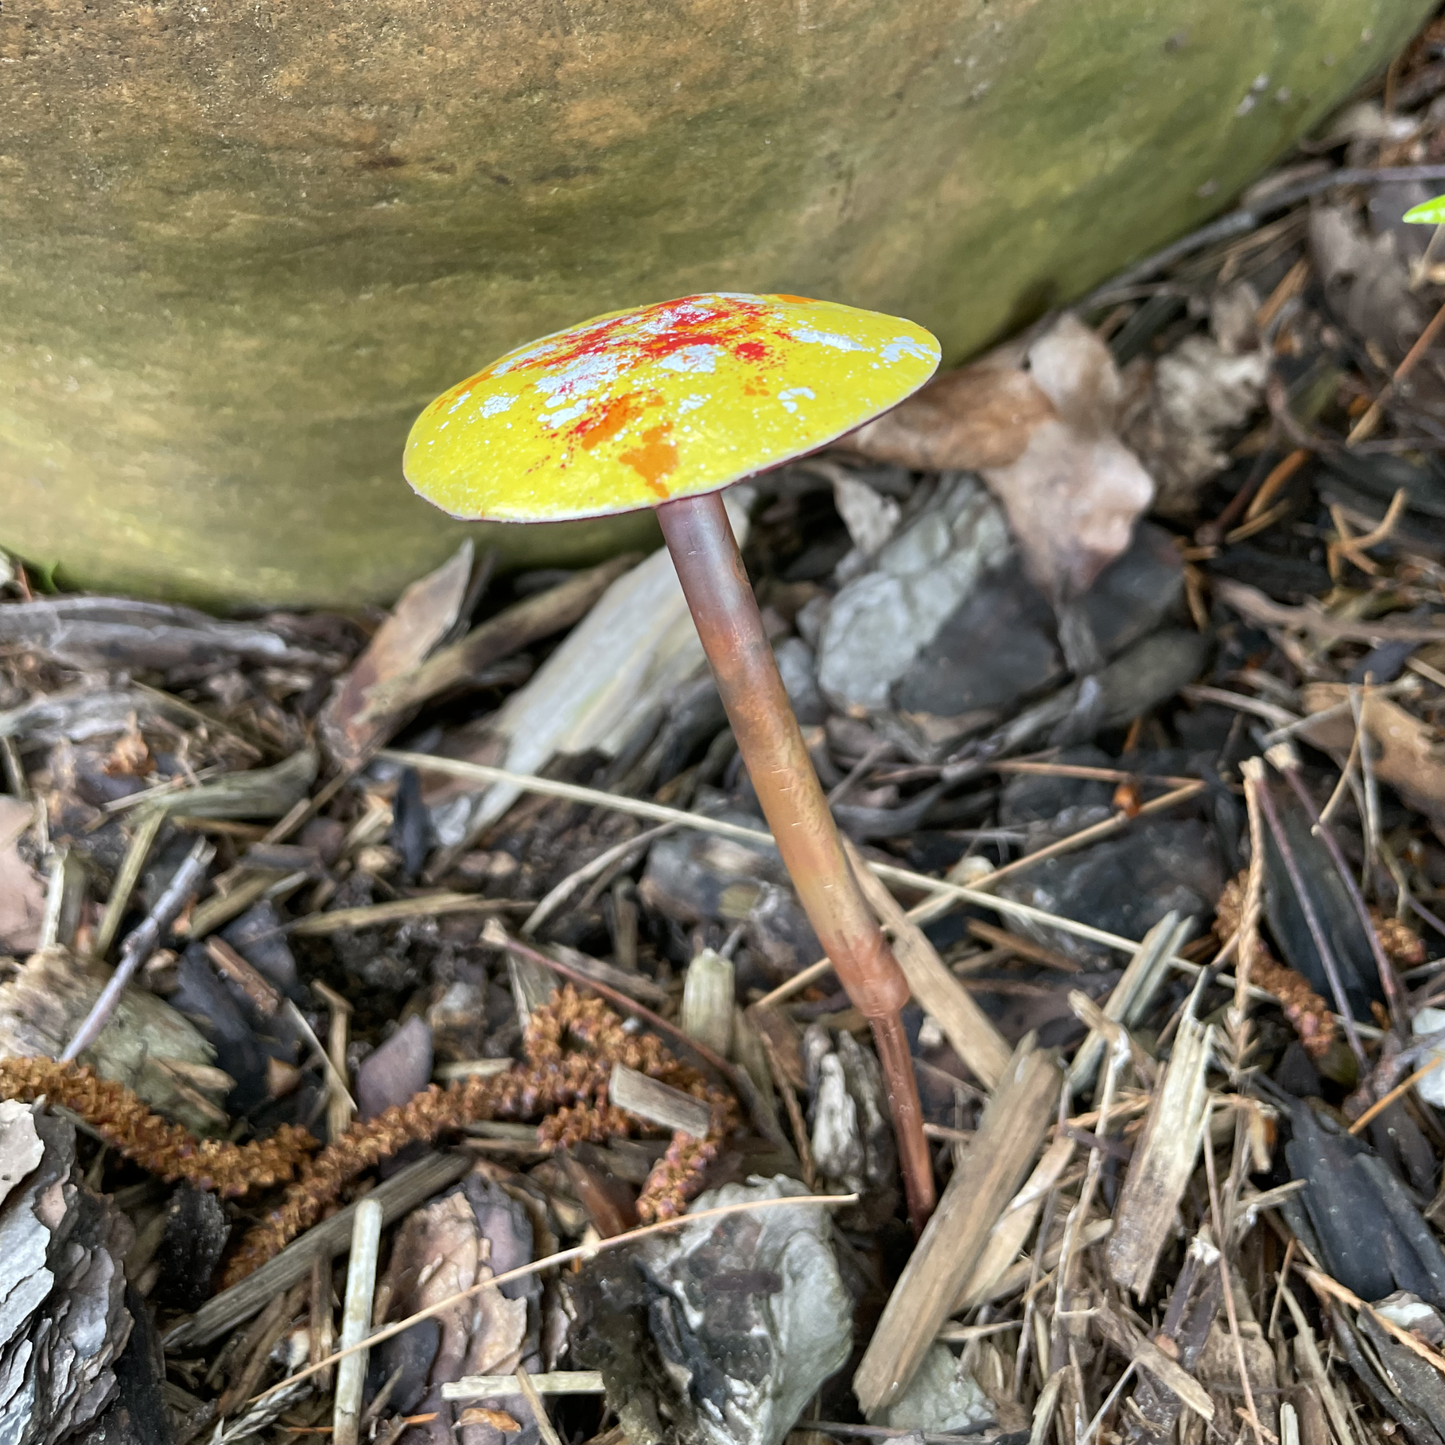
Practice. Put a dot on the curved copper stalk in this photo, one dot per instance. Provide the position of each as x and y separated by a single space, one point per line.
710 569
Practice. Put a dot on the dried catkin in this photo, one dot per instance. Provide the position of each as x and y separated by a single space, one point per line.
568 1054
127 1124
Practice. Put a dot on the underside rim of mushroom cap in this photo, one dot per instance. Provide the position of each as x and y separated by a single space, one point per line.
642 406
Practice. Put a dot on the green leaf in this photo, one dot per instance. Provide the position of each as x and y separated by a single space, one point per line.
1428 213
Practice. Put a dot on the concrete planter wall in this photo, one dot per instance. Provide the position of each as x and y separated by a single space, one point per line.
241 244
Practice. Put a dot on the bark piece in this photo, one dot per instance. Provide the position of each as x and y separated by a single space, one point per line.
63 1320
422 617
1188 1319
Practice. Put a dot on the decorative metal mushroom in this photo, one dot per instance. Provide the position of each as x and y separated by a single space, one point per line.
662 407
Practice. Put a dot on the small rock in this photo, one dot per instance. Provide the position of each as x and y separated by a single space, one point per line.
396 1070
727 1328
256 935
694 877
879 623
940 1398
948 628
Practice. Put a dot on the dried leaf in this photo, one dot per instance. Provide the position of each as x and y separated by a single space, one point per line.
1365 280
1075 491
1181 407
978 416
1043 439
422 617
439 1251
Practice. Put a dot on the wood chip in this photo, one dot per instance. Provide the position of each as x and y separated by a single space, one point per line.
1008 1139
1163 1161
658 1103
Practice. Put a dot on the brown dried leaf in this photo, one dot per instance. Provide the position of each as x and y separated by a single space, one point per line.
1075 492
1180 408
1043 439
437 1254
423 615
1365 280
979 416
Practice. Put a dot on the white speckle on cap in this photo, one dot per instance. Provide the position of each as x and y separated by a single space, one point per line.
567 413
701 359
828 338
902 346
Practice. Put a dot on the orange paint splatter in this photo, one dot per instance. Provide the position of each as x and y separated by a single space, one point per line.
654 458
592 430
806 300
751 351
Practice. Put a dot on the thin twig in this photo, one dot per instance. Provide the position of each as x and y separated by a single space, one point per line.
141 942
590 870
1237 1020
1257 606
1252 1414
1323 1284
1353 548
1342 787
794 1110
1371 809
758 838
1248 218
1119 1056
1371 419
136 853
1385 1100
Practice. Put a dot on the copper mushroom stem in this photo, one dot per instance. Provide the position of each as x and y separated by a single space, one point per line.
710 569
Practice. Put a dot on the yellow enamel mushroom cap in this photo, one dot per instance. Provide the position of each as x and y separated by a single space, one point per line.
638 407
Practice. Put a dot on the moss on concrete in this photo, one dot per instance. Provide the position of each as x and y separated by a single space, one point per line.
243 245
